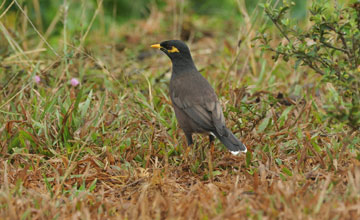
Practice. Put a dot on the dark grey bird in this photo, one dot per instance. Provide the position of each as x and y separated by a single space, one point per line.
196 105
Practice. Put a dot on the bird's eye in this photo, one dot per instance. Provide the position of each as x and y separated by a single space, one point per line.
173 50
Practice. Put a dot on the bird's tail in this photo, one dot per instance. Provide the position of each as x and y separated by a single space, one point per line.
231 142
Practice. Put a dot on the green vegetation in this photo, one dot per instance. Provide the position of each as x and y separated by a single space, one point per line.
330 46
109 147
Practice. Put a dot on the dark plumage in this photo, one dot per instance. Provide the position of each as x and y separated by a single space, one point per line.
195 103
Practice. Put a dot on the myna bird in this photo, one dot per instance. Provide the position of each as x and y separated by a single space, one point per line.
196 105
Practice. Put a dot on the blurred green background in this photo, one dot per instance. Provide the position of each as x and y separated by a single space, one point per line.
120 11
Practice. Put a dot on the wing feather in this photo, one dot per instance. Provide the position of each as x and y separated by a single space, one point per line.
199 101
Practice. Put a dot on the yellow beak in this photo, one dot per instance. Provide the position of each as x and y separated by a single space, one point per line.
157 46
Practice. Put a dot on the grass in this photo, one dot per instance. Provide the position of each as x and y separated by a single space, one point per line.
110 148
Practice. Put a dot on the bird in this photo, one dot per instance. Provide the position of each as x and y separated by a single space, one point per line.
196 105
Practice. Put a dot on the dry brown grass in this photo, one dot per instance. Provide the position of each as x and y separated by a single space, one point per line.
175 193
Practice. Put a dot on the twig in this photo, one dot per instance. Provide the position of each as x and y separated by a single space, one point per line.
277 26
335 48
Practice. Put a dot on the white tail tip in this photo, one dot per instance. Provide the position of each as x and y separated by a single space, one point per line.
237 152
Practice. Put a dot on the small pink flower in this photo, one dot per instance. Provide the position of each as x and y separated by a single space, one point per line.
37 79
74 82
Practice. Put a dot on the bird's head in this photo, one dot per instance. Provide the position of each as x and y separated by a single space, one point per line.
176 50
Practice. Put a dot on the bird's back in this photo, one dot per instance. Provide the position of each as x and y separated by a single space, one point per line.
192 87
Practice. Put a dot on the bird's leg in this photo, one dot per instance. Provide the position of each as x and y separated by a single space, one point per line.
189 144
189 139
211 143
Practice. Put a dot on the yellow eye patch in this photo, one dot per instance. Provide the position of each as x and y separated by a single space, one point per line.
173 50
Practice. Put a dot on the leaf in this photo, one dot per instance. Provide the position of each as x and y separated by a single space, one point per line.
284 116
287 171
48 108
283 178
264 125
78 98
48 186
316 146
85 106
278 161
22 138
216 173
93 185
248 158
